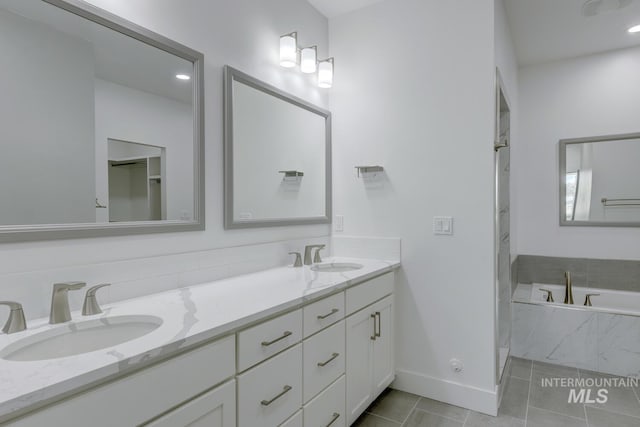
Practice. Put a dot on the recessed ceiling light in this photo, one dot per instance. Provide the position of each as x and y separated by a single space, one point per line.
183 77
598 7
634 29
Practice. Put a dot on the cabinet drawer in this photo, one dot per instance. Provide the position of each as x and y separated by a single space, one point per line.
269 338
323 313
271 392
323 359
295 421
369 292
216 408
327 410
143 395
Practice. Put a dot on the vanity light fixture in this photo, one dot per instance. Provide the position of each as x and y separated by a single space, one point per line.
634 29
309 59
289 50
183 77
325 73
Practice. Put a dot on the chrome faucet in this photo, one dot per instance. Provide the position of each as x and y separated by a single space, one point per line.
60 312
307 253
16 321
91 306
568 291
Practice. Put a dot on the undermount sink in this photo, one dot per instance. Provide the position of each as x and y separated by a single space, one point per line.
81 337
336 267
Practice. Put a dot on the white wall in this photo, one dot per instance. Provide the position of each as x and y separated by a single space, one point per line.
242 33
132 115
414 92
42 69
586 96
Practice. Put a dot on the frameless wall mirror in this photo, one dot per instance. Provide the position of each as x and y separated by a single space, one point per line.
600 181
277 156
100 123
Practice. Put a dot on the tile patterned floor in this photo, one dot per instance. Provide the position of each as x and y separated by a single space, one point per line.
525 403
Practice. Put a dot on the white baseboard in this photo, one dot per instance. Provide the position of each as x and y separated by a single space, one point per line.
476 399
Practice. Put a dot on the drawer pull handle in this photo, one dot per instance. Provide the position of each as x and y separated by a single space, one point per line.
334 311
379 333
375 334
334 419
333 357
286 389
268 343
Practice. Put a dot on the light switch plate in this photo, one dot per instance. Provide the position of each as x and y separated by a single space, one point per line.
443 225
339 223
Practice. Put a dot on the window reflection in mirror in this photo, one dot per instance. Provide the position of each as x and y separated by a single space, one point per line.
601 180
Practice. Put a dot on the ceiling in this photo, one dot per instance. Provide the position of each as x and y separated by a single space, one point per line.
333 8
117 58
548 30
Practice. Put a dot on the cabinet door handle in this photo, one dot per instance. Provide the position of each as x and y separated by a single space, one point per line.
268 343
334 419
285 390
331 359
334 311
378 316
373 337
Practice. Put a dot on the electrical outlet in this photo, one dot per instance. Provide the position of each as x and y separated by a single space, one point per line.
339 223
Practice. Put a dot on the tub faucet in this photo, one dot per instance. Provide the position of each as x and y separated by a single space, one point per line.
568 291
60 312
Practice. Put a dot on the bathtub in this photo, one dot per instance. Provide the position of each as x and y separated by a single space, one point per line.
603 338
609 301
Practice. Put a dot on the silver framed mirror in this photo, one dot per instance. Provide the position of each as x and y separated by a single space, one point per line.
277 156
102 125
599 181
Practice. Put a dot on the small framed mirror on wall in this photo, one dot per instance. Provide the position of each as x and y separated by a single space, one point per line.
277 156
101 125
600 181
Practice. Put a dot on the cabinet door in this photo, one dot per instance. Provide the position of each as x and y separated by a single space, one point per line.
216 408
383 350
359 363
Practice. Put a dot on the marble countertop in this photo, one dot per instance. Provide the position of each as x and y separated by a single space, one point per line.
190 315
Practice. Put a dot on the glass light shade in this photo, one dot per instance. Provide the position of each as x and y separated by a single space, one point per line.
325 74
634 29
308 60
288 51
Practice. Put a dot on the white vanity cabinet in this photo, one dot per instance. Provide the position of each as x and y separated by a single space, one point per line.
146 395
369 332
316 366
216 408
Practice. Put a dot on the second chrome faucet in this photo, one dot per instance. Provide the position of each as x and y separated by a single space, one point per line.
60 311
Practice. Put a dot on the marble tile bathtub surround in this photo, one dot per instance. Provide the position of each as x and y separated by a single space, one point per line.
596 341
144 276
621 275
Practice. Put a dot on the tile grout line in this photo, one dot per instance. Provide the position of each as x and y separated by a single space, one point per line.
612 412
560 413
526 412
411 411
466 418
584 408
384 418
444 416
